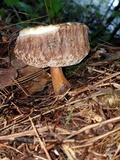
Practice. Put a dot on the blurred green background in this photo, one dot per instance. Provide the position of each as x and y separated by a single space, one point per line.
101 16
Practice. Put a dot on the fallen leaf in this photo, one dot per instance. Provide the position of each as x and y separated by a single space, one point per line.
17 63
7 76
37 83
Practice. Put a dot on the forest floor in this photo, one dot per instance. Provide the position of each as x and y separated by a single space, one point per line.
82 124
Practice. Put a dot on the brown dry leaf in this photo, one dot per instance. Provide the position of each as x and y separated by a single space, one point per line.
17 63
37 86
7 76
4 39
37 83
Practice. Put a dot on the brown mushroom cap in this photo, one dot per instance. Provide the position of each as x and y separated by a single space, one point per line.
54 45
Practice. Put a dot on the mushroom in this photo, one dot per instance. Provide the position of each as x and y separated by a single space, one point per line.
53 46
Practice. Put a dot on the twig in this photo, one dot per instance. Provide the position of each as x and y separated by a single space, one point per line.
6 146
40 141
93 125
31 132
107 78
90 141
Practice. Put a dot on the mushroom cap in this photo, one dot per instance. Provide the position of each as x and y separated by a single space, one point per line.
53 45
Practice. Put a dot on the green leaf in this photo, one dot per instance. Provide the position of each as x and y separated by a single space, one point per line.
25 7
11 2
2 12
53 7
69 117
98 15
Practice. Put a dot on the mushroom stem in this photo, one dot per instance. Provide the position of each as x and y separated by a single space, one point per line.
60 83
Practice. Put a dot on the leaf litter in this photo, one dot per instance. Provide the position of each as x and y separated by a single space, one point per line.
82 124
